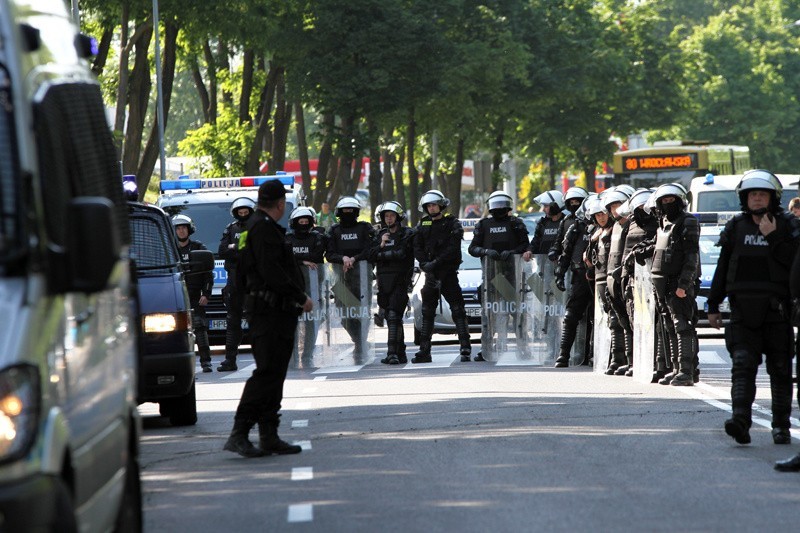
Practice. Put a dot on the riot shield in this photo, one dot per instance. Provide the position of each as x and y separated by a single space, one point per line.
602 335
506 311
347 338
548 304
644 324
310 324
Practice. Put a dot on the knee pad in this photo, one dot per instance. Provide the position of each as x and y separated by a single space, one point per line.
458 312
744 362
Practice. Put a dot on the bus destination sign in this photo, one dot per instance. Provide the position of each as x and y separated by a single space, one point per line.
659 162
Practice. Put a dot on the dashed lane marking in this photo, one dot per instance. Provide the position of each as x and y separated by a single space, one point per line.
299 423
301 512
710 357
320 378
305 445
302 473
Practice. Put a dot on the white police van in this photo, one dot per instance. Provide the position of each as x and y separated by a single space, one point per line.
208 202
717 194
69 425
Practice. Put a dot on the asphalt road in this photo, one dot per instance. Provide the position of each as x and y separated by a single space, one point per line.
473 447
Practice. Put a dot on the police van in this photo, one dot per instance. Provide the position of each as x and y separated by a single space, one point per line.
208 203
717 194
69 425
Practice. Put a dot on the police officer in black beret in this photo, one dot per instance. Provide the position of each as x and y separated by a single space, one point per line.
275 298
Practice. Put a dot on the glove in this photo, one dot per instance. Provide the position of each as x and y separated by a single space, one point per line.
640 257
505 254
494 254
560 284
429 266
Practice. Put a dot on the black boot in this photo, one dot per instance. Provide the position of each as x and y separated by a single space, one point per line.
791 464
239 441
227 365
738 428
567 339
781 386
205 359
394 324
270 443
425 334
617 350
460 319
685 377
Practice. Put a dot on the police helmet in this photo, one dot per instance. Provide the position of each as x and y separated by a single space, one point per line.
593 206
550 197
626 189
759 180
581 212
394 207
347 202
433 197
240 203
670 189
300 212
639 198
624 209
183 220
613 195
500 200
576 192
376 216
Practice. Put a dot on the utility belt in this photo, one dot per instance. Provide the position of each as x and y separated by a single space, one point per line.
258 301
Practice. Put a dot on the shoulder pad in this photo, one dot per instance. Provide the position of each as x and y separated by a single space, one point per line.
424 222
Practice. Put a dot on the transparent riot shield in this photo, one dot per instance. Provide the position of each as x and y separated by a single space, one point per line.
310 324
347 338
548 310
602 336
578 354
506 311
644 324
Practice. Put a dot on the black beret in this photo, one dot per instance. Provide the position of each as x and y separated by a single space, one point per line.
271 190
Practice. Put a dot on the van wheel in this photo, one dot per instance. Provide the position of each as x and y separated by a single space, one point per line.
183 411
129 518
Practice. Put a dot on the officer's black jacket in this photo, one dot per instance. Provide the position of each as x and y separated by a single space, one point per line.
308 247
574 244
351 240
440 241
676 253
267 262
397 256
600 255
639 231
230 235
557 249
752 263
196 284
544 235
501 234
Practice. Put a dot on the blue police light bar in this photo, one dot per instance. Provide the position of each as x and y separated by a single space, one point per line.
709 179
185 184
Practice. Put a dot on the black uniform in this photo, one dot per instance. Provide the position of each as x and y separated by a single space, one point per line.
275 294
676 263
309 245
619 320
232 294
198 285
395 266
598 255
754 272
351 239
499 238
545 235
437 248
579 301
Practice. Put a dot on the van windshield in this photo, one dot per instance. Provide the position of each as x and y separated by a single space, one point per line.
211 218
11 237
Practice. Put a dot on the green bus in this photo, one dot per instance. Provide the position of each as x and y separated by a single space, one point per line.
678 162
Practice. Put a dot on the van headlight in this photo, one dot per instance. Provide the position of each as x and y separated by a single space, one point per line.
19 410
166 322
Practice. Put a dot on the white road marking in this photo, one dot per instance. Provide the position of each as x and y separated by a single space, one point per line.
339 369
303 406
309 390
710 357
299 423
302 473
320 378
304 444
242 372
301 512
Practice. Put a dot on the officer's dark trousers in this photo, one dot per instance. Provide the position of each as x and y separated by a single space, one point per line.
679 316
393 296
622 324
272 338
617 356
444 284
762 331
200 326
580 296
234 302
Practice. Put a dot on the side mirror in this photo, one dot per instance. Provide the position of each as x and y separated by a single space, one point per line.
93 247
200 262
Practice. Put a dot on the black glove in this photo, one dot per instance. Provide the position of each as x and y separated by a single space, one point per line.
429 266
494 254
640 257
560 284
505 254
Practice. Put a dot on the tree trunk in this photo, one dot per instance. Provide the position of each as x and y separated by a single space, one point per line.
224 65
388 185
324 161
211 69
265 107
247 86
283 116
102 51
343 182
454 182
413 185
426 175
302 150
375 175
122 88
551 167
152 150
138 99
400 187
202 92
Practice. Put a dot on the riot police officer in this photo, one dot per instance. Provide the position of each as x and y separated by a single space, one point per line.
349 242
198 286
570 259
619 320
393 254
597 255
308 247
573 199
437 248
676 264
757 249
546 231
499 238
232 293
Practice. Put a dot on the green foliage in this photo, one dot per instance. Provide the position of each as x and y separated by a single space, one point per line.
220 149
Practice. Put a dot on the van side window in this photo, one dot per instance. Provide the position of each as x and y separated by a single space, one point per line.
67 120
152 246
